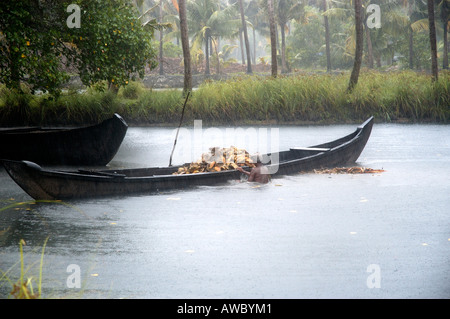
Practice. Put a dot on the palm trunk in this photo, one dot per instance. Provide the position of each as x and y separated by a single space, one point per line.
369 48
359 46
273 40
411 48
216 50
210 44
432 30
241 45
378 59
161 67
445 57
185 46
283 48
327 37
207 72
247 44
254 46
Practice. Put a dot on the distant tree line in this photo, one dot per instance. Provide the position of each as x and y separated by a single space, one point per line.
115 40
314 33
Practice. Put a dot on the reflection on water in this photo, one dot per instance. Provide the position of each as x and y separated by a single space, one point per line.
300 236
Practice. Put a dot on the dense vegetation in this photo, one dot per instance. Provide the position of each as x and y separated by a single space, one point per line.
246 99
401 36
41 42
115 44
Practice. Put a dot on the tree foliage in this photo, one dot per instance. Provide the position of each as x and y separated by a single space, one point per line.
35 43
30 44
111 43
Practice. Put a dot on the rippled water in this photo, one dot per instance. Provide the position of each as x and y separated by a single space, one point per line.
301 236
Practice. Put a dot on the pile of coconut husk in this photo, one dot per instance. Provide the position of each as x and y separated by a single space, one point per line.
218 159
348 170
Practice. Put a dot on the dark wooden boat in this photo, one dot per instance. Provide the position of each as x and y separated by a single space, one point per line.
90 145
41 183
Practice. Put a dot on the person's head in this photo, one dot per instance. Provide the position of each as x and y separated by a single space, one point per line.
258 160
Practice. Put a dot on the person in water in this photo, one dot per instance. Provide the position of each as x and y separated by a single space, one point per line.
259 174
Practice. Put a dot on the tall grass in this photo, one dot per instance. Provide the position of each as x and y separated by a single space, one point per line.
18 109
246 99
23 288
307 98
323 98
153 107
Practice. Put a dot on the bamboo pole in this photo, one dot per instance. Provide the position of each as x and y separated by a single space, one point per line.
178 130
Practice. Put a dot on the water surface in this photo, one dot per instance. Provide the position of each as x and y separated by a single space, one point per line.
301 236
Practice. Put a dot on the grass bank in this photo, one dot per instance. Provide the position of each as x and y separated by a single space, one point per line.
302 98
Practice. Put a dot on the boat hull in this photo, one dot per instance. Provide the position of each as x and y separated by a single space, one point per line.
340 152
50 185
91 145
40 183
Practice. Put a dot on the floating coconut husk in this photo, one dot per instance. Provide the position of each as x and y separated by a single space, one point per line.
218 159
348 170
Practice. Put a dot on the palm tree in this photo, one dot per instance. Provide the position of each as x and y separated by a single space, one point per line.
366 30
273 41
223 24
359 45
369 43
208 20
411 34
396 25
327 35
417 21
420 20
287 10
172 17
185 45
254 16
432 31
345 13
161 65
445 18
247 44
256 19
394 21
146 10
239 32
199 13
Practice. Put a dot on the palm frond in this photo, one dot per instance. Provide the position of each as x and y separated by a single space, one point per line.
420 25
148 11
338 13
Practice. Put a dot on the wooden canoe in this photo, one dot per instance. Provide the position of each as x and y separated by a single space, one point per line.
90 145
41 183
